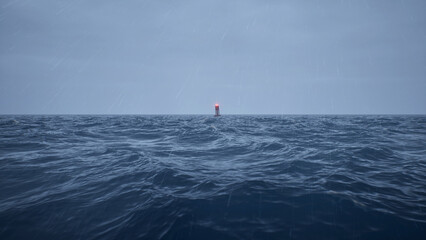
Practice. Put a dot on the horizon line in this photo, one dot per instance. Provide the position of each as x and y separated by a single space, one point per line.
206 114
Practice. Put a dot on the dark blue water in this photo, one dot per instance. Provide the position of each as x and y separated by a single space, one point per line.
200 177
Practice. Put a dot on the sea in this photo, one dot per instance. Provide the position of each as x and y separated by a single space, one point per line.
205 177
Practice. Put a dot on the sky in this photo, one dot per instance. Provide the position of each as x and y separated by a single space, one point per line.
183 56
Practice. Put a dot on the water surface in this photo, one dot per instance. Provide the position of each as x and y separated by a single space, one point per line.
201 177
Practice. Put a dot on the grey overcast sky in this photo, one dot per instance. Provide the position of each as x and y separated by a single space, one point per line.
183 56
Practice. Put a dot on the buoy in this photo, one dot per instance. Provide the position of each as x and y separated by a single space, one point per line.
216 110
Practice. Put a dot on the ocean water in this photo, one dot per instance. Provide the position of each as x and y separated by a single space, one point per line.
201 177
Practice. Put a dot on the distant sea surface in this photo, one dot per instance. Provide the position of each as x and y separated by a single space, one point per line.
205 177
